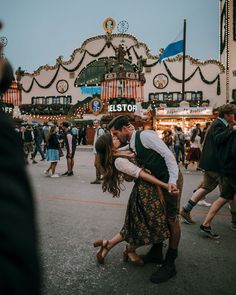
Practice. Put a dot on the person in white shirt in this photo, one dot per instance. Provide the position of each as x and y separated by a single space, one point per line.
98 132
75 132
145 221
194 153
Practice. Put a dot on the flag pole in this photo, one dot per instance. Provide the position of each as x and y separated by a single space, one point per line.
184 53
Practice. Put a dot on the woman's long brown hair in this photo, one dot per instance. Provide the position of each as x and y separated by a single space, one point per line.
52 130
194 135
112 178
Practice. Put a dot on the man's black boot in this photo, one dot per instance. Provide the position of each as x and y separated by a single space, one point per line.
154 255
168 270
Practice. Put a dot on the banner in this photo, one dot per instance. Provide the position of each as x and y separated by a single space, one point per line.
91 89
187 111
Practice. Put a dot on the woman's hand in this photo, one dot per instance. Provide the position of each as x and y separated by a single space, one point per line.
174 193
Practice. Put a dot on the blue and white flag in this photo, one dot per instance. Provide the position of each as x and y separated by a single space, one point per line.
173 48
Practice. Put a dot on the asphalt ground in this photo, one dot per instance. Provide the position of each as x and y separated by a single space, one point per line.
72 214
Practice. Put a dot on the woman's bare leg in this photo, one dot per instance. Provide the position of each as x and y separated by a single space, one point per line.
49 168
111 243
54 164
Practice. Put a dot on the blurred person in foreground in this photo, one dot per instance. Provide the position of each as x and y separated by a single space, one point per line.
19 264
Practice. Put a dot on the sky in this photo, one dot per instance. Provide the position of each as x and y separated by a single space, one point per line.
38 32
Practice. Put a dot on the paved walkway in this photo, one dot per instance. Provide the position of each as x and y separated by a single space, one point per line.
72 213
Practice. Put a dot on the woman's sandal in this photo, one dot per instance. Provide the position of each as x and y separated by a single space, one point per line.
134 258
103 244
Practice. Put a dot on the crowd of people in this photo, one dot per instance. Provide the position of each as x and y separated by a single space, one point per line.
186 147
218 161
48 139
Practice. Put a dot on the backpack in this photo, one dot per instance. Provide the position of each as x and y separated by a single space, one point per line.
181 139
104 129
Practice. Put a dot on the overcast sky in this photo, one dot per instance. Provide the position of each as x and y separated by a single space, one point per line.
40 31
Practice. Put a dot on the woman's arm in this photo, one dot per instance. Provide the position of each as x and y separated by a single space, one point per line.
124 153
125 166
152 179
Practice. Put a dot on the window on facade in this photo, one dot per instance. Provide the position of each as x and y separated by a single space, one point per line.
45 100
199 95
56 99
170 96
156 96
67 100
179 96
151 96
36 100
165 96
33 100
193 96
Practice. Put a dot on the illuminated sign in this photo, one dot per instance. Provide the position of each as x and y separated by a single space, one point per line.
187 111
95 106
7 108
122 108
122 105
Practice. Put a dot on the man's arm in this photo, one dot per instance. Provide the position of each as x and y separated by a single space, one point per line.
221 134
233 148
152 141
69 138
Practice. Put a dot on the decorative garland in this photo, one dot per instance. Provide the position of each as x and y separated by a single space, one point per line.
179 58
66 69
138 57
52 109
217 78
60 63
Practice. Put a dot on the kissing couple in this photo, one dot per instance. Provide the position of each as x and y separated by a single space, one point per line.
153 206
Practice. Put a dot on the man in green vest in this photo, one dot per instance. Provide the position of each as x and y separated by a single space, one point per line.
153 154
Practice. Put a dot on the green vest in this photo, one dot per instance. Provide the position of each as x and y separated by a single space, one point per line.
150 160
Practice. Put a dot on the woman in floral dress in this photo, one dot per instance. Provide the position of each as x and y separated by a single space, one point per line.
145 221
